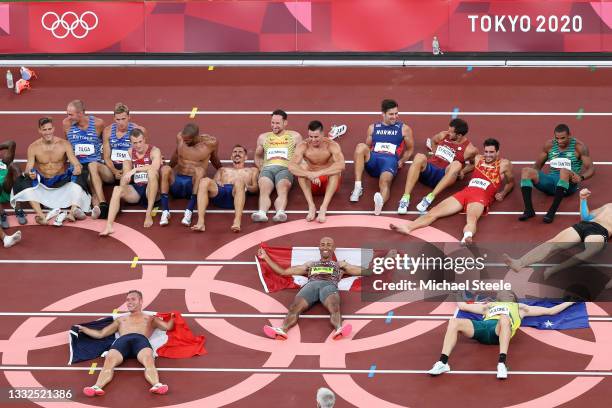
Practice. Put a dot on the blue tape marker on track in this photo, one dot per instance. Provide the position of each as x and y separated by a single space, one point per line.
469 68
389 317
455 113
372 370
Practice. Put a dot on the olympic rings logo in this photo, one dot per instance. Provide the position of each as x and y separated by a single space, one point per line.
70 23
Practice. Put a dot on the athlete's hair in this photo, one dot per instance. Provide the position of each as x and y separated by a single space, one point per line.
120 107
562 127
491 142
191 129
460 125
387 104
281 113
315 125
139 293
44 120
136 133
77 104
240 146
325 398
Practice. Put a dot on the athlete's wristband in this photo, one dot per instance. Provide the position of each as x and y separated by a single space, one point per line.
584 211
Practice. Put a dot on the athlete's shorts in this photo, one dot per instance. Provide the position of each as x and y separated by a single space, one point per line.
141 189
484 331
4 196
129 345
586 228
317 291
24 181
224 197
276 173
320 190
473 195
182 186
548 184
432 175
381 162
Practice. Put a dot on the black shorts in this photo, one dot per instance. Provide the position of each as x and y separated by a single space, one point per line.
586 228
129 345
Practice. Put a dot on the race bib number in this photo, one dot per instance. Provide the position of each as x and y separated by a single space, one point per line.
119 155
445 153
499 310
84 149
141 177
480 183
316 270
382 147
277 152
561 163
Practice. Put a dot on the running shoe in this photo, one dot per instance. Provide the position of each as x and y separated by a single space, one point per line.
159 388
343 331
59 220
27 73
275 333
403 206
165 218
378 203
79 214
10 240
93 391
21 217
337 131
4 220
52 214
502 371
439 368
186 221
21 86
424 204
280 216
95 212
259 216
355 194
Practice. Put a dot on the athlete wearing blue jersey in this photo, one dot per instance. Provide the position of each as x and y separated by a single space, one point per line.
388 146
84 132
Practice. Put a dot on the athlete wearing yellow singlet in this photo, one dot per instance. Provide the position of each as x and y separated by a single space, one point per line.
501 320
272 155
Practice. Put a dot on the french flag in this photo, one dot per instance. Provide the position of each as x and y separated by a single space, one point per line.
287 257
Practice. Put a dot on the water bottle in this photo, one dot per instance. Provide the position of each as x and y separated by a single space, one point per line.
9 79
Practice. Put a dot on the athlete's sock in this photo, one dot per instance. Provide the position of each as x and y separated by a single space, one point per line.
358 184
192 202
559 194
444 358
526 190
164 202
406 197
502 358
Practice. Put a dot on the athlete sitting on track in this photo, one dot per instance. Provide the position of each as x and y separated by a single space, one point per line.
388 145
474 199
9 172
322 286
190 161
317 163
134 331
116 143
570 162
139 182
593 229
451 150
501 320
228 188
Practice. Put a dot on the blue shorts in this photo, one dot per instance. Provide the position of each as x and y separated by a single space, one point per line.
182 186
129 345
224 197
141 189
548 184
432 175
381 162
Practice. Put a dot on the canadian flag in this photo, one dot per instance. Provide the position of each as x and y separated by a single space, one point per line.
287 257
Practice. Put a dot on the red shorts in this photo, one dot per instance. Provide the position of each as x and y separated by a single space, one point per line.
474 195
320 190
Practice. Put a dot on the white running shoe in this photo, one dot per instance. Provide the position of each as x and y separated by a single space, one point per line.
259 216
10 240
378 203
337 131
52 214
439 368
165 218
79 214
280 216
357 192
423 205
59 220
186 221
403 207
95 212
502 371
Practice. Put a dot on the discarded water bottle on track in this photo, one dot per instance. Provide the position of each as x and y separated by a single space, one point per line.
9 79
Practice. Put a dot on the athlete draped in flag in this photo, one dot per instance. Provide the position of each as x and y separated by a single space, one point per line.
323 277
501 321
475 199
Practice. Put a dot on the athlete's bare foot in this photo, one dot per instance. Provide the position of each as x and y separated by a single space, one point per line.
235 227
514 264
107 231
199 227
402 229
312 213
40 220
148 221
322 216
70 217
